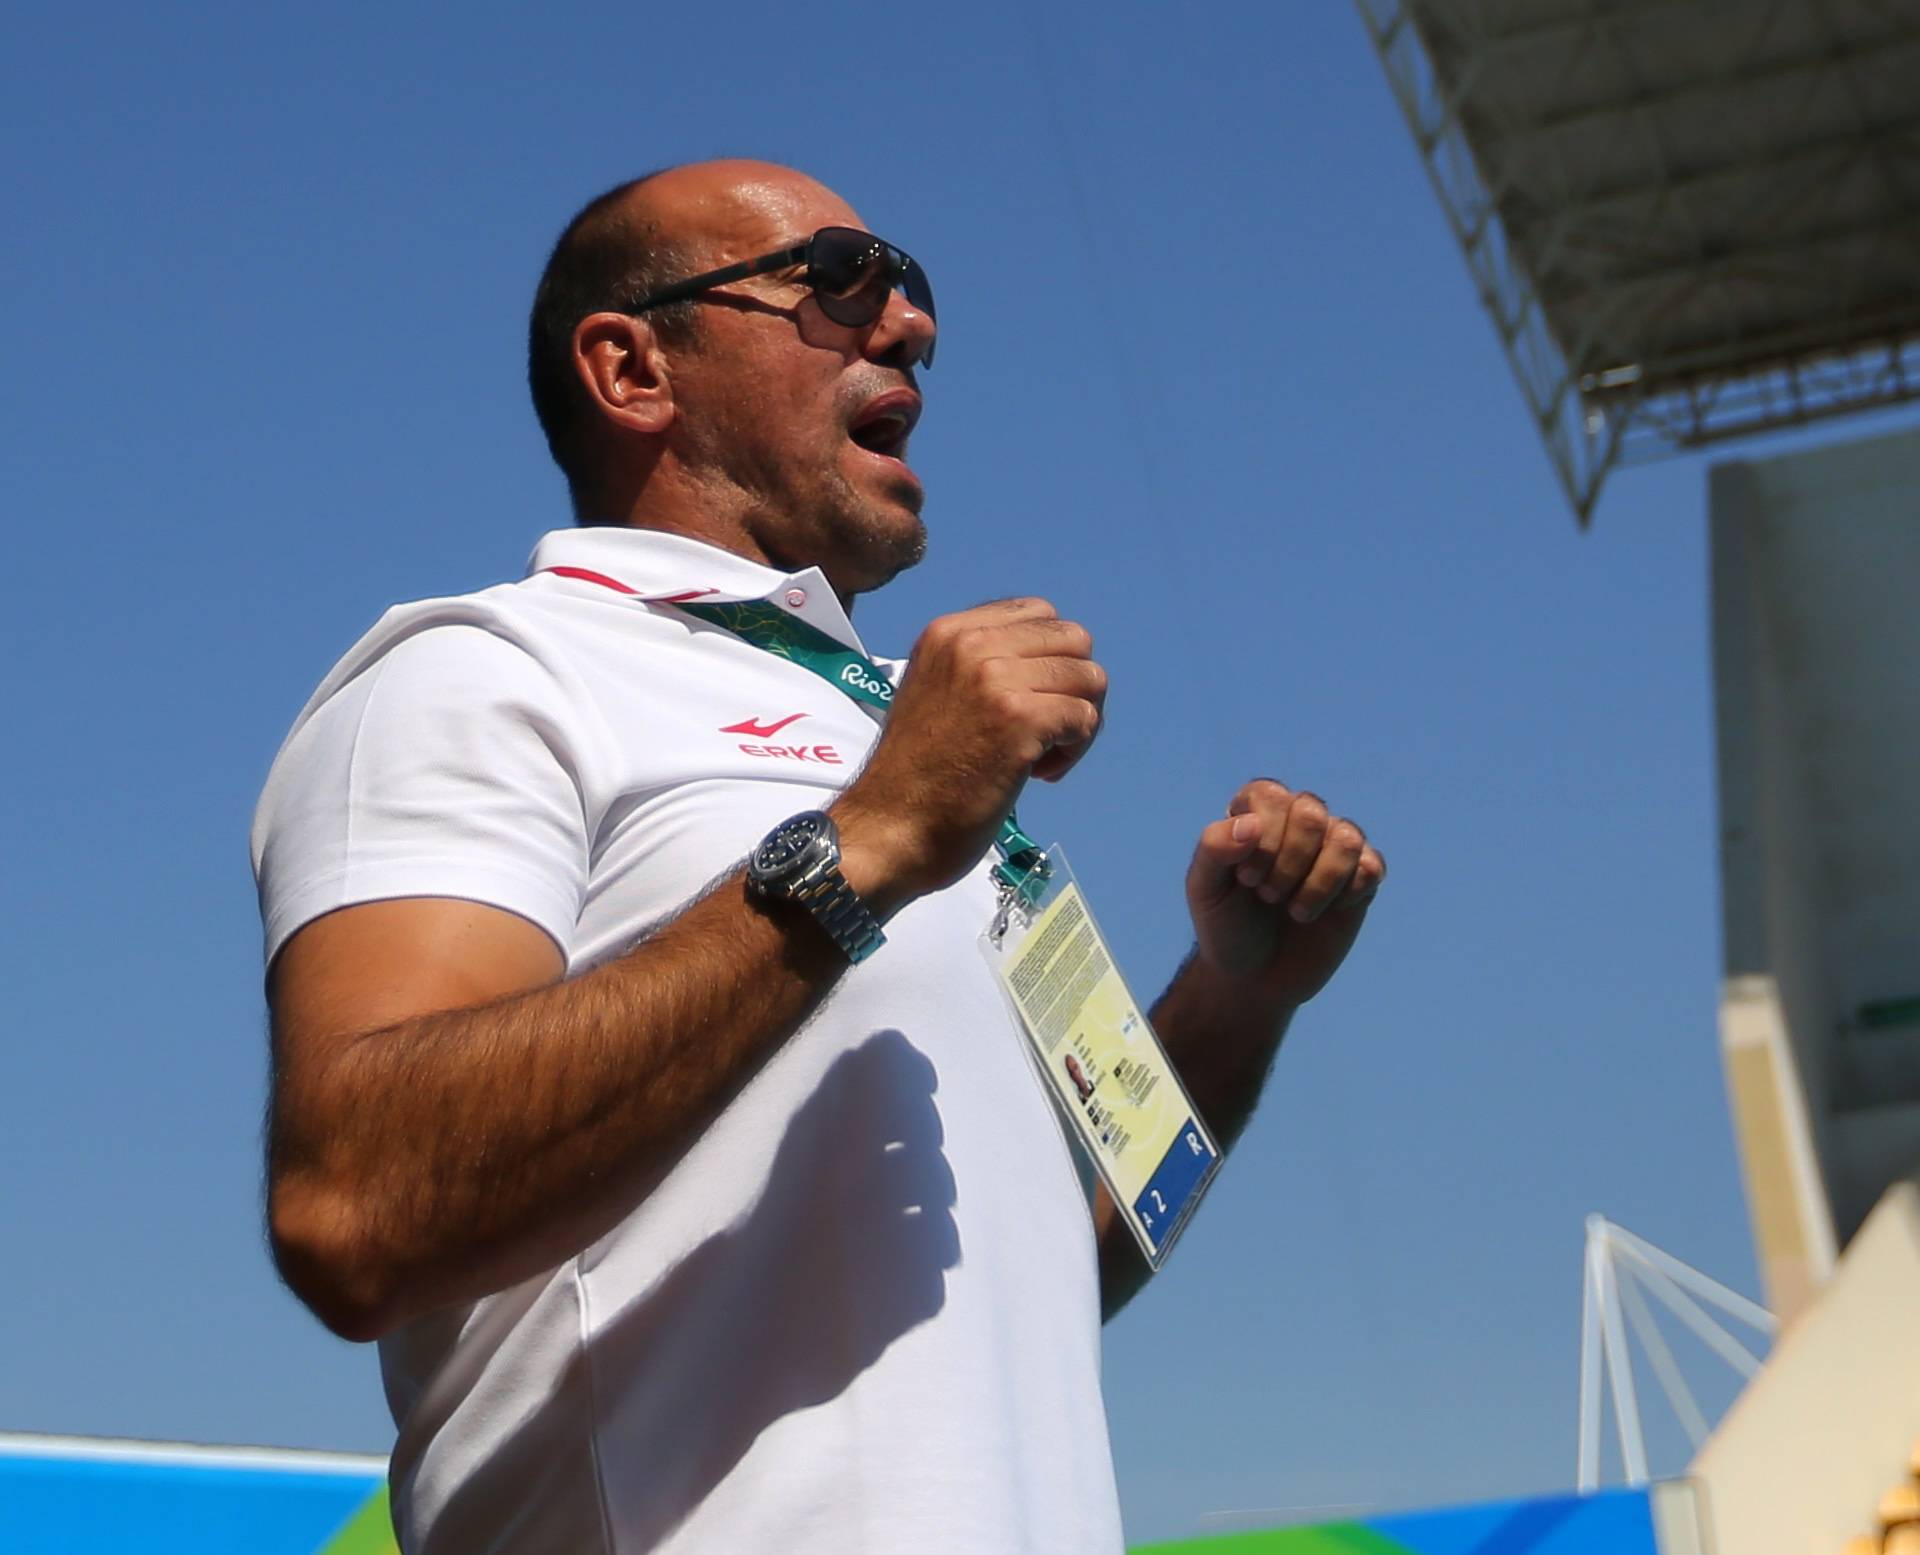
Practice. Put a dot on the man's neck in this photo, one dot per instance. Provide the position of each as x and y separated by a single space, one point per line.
670 501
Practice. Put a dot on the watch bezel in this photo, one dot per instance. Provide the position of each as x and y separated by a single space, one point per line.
820 845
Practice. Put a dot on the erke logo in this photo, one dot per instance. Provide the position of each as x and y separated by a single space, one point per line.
759 730
825 755
854 675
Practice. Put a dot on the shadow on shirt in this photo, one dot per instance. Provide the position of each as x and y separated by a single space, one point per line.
846 1251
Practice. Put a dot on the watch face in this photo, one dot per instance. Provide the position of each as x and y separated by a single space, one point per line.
789 848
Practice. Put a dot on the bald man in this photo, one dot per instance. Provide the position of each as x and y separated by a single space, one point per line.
637 1083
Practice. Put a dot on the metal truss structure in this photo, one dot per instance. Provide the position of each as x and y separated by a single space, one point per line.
1690 220
1619 1267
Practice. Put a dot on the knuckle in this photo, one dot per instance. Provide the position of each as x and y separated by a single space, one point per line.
1344 834
1096 679
1263 794
1310 809
1006 704
972 639
1075 639
989 673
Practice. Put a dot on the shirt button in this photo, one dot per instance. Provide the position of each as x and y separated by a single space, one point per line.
796 598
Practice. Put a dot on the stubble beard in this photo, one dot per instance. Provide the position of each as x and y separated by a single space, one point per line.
879 540
861 537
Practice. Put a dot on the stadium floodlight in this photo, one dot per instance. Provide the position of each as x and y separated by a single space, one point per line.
1690 220
1618 1266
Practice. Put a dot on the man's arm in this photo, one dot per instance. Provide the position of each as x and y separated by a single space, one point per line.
449 1118
1277 890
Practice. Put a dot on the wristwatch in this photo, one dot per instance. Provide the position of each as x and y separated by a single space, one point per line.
799 861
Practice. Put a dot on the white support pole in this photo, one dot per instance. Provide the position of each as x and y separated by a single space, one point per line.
1679 1395
1626 1403
1587 1479
1619 1270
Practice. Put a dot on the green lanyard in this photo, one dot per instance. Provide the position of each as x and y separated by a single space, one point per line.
772 630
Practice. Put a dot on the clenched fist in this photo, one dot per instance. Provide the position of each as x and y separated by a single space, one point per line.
992 696
1278 890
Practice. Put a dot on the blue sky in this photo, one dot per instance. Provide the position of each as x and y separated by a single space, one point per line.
1211 377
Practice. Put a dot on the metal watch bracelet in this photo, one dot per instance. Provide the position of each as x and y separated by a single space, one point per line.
837 908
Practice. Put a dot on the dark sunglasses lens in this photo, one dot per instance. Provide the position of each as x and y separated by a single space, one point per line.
851 273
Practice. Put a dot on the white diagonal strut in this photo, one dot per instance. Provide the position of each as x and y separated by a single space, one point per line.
1672 1383
1691 1279
1690 1312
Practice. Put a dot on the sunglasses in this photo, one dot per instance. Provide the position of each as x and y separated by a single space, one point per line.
851 273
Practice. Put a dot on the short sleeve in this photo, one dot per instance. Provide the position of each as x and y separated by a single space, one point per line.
444 765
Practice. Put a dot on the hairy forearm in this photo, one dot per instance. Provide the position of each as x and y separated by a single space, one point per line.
1222 1039
456 1153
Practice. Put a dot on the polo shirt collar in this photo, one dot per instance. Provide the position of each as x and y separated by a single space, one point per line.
664 568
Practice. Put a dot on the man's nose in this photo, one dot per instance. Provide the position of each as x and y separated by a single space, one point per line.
902 336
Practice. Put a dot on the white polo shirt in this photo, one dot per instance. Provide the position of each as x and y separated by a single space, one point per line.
861 1314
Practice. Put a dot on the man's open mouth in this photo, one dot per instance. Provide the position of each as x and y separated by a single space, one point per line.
885 423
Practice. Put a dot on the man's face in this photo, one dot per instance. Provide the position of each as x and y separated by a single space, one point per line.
795 423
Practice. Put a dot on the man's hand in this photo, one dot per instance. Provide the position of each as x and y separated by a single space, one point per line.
1278 891
992 696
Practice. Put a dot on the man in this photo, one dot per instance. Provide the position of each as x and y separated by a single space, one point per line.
678 1229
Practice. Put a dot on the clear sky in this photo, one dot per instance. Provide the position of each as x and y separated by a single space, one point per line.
1211 377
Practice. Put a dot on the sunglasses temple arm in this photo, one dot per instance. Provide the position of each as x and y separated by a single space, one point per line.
680 291
780 260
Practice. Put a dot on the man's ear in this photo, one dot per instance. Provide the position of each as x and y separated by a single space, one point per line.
619 360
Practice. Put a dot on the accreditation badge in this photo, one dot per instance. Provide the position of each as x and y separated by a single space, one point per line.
1096 1055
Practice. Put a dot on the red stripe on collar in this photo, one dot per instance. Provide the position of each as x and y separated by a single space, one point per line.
585 576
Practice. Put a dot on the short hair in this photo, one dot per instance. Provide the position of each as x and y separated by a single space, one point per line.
606 260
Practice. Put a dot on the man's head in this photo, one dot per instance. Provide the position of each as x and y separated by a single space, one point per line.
744 416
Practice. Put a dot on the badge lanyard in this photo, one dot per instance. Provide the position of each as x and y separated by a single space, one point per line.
1093 1049
1023 863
